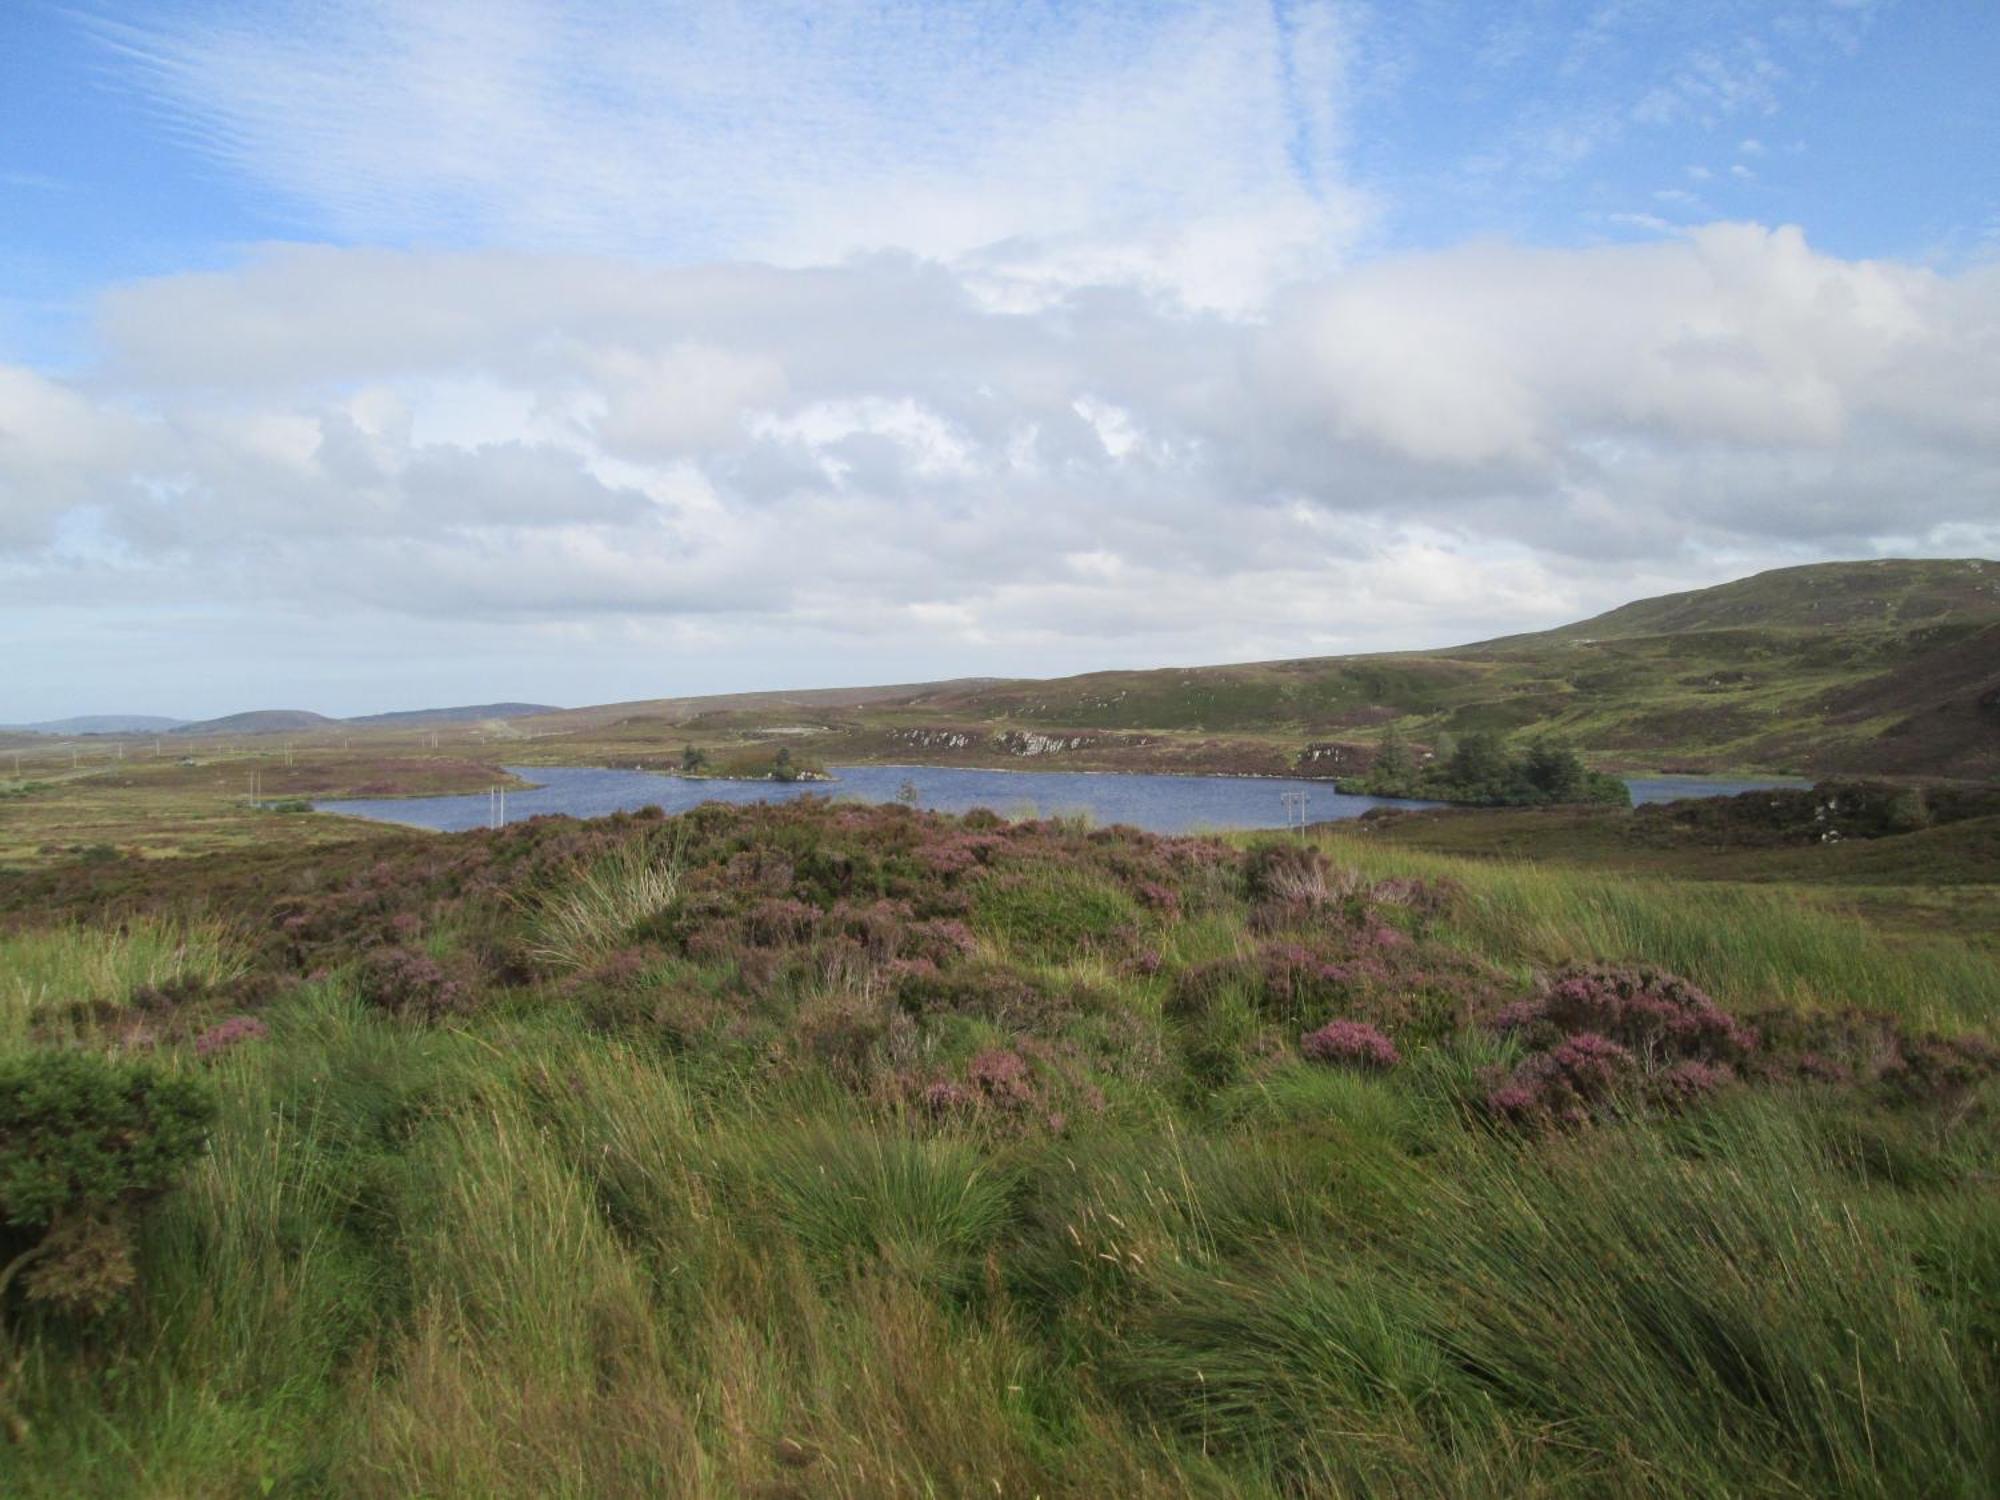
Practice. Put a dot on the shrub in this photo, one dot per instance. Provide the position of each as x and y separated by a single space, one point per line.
406 982
84 1144
1353 1044
230 1033
994 992
1939 1070
1565 1085
843 1031
1658 1016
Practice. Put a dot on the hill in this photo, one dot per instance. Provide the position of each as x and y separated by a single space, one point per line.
261 721
104 724
470 714
658 712
1872 667
1887 595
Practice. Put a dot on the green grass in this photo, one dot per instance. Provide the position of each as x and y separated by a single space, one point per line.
44 970
597 905
1752 946
531 1252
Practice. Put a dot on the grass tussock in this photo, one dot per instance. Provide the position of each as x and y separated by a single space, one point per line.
588 915
100 964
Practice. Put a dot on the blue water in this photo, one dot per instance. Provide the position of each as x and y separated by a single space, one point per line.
1163 804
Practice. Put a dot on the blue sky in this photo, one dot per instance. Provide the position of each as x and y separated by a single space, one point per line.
491 339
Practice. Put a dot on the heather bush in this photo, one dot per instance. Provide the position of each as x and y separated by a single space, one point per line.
1935 1070
845 1032
230 1033
1009 997
85 1144
1567 1085
1658 1017
407 982
941 942
1353 1044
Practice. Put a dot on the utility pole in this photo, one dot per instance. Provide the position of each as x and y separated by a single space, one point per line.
1295 811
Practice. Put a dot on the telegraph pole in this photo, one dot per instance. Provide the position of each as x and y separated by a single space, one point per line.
1295 811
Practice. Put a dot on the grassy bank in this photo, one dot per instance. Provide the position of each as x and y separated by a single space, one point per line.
813 1150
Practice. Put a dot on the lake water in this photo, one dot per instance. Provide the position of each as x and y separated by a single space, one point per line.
1163 804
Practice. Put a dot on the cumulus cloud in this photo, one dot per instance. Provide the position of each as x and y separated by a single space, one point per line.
875 448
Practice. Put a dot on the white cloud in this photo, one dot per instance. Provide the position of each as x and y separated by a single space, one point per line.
1414 448
1193 147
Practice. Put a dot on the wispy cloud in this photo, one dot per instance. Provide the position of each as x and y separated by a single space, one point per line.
795 131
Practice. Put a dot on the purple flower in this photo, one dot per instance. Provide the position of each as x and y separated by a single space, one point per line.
222 1037
1689 1082
1001 1076
947 1098
1660 1017
1350 1043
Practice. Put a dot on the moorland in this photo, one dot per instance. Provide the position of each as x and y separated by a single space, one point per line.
1887 669
817 1149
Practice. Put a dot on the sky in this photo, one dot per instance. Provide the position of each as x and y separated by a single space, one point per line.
359 355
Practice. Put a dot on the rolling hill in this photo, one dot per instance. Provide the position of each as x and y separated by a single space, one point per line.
473 713
261 721
1867 668
103 724
1888 667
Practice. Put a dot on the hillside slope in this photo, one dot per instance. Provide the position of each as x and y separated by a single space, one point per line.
471 713
1889 666
261 721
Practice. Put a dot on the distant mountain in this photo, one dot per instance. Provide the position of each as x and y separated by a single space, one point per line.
470 714
104 724
261 721
805 700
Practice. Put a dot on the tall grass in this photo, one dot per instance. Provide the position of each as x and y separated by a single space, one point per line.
575 924
528 1250
43 967
1749 945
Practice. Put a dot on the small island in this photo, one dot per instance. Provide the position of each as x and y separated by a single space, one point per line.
1480 771
752 764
